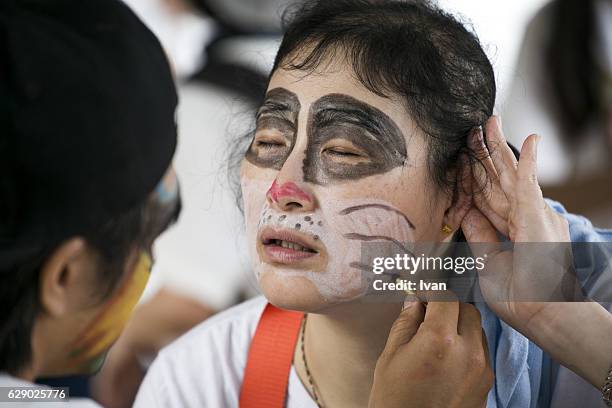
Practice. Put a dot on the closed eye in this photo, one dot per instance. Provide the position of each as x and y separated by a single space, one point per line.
342 153
264 144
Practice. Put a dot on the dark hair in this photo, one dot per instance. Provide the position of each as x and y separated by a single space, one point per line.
576 76
410 49
113 243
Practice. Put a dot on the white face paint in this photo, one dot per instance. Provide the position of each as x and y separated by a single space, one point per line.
340 226
331 182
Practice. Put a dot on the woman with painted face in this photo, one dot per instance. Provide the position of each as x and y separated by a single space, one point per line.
372 117
87 136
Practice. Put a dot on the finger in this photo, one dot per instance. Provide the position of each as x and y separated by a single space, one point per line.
469 325
465 178
442 316
483 171
528 188
503 157
477 146
487 191
494 206
405 326
471 331
501 154
480 235
477 228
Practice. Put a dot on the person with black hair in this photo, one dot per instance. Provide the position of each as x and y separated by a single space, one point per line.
562 89
374 114
201 266
87 105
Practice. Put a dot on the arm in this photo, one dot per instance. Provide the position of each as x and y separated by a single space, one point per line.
577 334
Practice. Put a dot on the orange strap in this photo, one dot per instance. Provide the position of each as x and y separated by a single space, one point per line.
267 370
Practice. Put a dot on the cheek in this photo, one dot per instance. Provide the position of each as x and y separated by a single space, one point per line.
254 184
404 189
343 225
393 208
88 350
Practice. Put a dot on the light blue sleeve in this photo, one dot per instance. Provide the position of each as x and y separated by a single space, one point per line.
592 253
581 229
525 375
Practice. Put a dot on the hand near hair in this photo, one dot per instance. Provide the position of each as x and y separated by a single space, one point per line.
435 356
507 193
508 199
532 287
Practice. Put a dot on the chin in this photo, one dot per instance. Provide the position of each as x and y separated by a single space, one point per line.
290 292
298 292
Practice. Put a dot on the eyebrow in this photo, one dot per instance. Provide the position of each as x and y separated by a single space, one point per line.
344 108
280 102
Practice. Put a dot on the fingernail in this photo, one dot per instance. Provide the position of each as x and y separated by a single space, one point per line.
410 301
499 121
479 135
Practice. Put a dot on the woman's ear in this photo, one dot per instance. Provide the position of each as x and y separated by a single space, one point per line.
462 197
59 273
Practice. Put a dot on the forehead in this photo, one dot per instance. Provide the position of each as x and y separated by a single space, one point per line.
309 87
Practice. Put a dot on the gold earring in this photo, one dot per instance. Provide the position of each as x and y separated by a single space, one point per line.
446 229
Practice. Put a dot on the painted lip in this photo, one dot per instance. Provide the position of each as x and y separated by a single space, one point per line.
274 253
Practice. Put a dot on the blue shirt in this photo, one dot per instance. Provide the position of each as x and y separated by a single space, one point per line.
525 376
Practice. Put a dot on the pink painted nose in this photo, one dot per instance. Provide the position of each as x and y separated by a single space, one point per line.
288 196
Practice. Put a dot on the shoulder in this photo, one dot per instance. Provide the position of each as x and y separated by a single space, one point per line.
205 366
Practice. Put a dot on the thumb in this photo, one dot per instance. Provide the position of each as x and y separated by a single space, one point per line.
405 326
527 186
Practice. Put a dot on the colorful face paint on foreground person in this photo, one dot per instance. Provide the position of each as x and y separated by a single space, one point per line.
91 346
331 166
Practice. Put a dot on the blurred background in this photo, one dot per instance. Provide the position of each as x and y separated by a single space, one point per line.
553 63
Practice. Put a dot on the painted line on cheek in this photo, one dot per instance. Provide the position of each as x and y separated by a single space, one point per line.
349 210
361 266
360 237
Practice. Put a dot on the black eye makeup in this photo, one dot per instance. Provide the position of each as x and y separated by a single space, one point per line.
275 130
349 139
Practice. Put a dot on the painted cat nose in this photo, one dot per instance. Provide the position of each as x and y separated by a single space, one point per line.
289 196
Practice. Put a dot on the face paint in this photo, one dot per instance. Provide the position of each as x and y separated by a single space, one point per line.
336 228
349 139
276 129
363 162
89 349
163 208
287 189
167 190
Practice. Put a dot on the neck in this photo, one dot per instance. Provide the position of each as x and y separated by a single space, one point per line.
342 347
